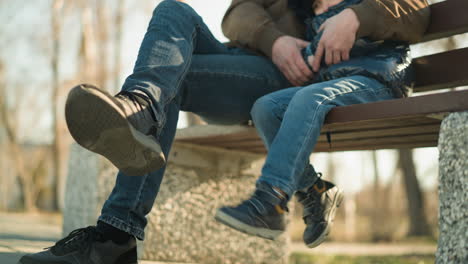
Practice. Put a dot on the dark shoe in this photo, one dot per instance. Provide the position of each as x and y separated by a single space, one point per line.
262 215
84 246
320 203
120 128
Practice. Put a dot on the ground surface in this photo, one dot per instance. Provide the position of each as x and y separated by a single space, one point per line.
28 233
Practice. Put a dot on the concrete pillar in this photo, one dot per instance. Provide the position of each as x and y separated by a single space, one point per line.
453 190
180 227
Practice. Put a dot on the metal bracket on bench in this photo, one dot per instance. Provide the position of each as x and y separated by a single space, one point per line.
439 116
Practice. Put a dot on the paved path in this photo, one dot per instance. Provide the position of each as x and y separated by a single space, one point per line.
28 233
21 233
367 249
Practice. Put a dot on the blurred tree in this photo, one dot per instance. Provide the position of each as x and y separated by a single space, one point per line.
418 225
118 37
102 38
377 212
330 167
87 54
29 187
59 144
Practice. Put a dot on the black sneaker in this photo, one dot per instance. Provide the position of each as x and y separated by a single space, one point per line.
120 128
262 215
320 203
84 246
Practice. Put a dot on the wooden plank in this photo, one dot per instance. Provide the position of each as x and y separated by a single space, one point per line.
383 132
413 144
324 148
455 101
339 137
386 124
235 137
440 71
383 140
429 140
448 18
344 127
392 122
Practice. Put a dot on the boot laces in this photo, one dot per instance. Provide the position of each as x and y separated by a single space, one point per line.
79 239
143 109
259 198
139 102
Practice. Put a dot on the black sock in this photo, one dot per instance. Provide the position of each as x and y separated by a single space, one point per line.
111 233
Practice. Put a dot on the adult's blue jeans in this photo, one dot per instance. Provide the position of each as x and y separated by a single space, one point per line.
181 66
289 123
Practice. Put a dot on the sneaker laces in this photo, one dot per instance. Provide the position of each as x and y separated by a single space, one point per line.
79 239
312 205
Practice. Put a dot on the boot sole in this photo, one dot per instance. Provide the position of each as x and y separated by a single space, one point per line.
99 125
245 228
336 204
24 260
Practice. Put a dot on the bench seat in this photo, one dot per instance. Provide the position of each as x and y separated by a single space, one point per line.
408 122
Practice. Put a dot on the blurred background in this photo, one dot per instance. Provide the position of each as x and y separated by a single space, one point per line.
48 46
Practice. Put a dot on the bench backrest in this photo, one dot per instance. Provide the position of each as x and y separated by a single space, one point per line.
447 69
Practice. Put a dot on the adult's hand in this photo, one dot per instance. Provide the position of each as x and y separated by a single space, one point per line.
286 54
339 35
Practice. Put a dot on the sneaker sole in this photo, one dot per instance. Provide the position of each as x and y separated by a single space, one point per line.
247 229
99 125
336 204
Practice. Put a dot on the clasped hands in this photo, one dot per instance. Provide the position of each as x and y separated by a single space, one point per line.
339 35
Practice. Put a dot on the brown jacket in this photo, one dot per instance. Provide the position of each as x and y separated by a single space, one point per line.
256 24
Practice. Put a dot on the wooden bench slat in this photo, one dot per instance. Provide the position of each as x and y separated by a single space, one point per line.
391 122
440 71
455 101
325 148
250 134
383 132
378 141
366 143
414 142
371 144
385 124
448 18
343 137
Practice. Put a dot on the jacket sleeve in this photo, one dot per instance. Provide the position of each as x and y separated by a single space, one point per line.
248 23
404 20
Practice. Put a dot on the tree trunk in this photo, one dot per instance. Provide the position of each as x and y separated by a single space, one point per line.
102 37
24 178
330 168
119 18
376 213
87 54
418 223
59 151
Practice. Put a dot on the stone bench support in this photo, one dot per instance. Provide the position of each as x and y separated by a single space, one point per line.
453 190
180 227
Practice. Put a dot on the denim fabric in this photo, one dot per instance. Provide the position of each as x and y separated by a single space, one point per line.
181 66
289 122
